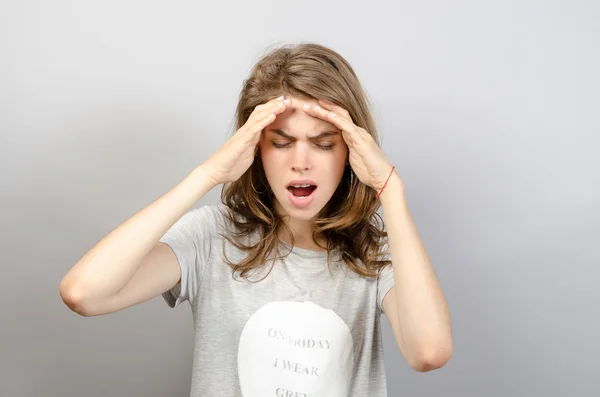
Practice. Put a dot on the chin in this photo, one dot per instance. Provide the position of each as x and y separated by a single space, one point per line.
306 214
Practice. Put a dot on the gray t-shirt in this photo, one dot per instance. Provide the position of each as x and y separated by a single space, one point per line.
302 331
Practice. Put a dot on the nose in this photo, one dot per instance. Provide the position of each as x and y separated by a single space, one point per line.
300 158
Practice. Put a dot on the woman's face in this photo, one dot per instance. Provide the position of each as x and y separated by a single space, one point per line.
298 150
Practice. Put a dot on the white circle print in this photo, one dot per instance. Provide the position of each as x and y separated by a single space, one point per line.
295 349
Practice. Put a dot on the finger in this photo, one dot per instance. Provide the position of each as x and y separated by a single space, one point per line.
273 102
349 129
266 110
277 105
251 136
263 119
335 108
338 110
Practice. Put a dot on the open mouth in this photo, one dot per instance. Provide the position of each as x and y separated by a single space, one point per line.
302 191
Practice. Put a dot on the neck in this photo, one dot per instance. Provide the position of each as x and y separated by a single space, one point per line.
301 230
302 239
302 233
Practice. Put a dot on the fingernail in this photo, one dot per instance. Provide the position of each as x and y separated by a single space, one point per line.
306 106
287 100
281 97
317 107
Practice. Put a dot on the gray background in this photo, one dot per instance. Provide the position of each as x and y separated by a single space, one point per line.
488 109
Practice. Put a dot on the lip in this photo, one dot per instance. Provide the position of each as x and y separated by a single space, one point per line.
301 182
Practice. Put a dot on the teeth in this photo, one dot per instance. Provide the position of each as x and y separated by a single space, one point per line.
301 185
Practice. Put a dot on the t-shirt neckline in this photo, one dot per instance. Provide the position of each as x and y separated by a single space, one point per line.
304 252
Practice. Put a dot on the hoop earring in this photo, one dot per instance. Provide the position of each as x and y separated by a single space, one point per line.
257 192
351 183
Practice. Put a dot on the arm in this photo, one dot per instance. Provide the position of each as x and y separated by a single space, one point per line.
130 265
415 306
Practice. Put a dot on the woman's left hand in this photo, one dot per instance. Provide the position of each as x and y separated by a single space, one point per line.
367 160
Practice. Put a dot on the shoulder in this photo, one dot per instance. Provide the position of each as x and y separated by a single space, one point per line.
205 220
213 213
206 216
214 219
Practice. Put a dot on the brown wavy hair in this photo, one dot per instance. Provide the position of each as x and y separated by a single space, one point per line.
349 222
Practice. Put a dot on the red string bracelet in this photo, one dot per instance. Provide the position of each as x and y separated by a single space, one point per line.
378 194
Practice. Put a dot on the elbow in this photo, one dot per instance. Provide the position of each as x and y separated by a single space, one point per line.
433 358
73 297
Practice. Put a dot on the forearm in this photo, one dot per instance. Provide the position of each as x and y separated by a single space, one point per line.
108 266
423 313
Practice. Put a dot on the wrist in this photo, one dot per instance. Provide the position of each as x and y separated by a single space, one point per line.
202 179
393 189
204 175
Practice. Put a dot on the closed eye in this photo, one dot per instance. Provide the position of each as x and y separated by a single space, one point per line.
283 145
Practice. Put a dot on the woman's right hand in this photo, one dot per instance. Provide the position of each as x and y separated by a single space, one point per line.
237 154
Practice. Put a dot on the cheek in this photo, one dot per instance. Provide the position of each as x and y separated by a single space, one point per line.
341 156
268 154
340 162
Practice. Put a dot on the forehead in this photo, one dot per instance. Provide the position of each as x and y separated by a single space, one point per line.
295 121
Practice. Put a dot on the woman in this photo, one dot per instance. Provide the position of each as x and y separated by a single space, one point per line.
288 276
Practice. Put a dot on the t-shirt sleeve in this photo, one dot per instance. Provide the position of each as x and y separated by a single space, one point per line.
385 282
190 238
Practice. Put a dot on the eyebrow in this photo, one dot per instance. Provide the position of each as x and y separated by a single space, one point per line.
312 138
